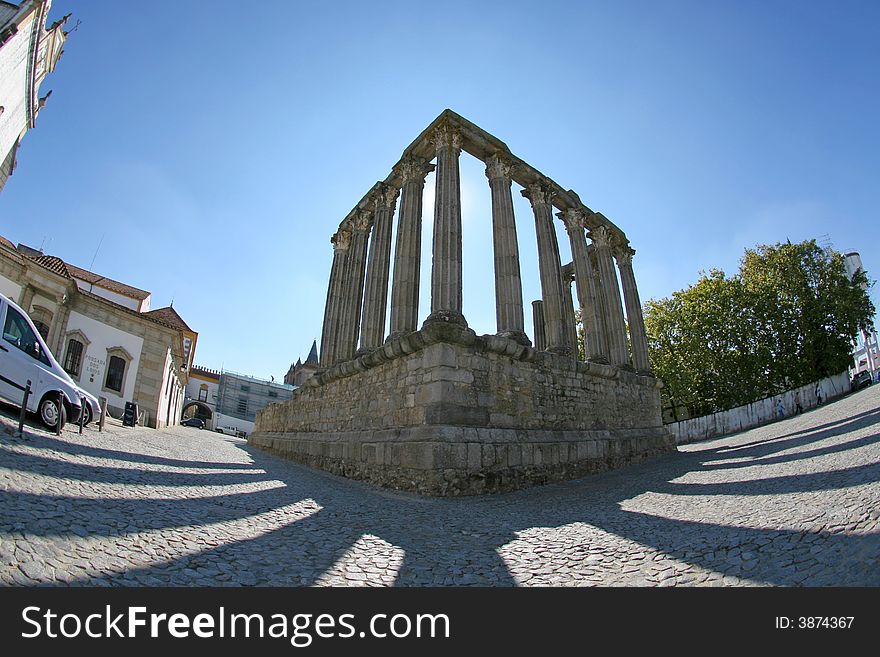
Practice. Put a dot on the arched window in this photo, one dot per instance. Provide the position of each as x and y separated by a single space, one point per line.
115 373
117 369
42 318
74 357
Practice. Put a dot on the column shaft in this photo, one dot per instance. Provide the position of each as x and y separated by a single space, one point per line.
549 266
568 319
378 266
340 241
594 348
538 323
637 334
616 326
446 267
408 250
508 283
353 290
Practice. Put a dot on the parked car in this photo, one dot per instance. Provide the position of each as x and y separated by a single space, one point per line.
227 431
25 357
861 380
196 422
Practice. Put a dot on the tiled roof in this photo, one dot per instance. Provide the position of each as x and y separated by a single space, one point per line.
169 316
108 283
53 264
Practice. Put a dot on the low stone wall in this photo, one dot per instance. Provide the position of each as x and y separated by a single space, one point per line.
445 412
759 412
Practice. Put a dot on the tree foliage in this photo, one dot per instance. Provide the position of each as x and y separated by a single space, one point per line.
787 318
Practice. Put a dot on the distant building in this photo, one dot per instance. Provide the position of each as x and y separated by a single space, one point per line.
299 372
202 393
866 351
28 53
103 332
239 397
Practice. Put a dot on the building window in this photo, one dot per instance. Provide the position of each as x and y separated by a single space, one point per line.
245 388
118 360
203 392
272 393
73 359
42 318
115 374
242 405
43 329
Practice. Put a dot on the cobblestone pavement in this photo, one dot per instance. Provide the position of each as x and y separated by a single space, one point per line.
793 503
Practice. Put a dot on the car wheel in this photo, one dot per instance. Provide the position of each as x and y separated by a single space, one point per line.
87 413
50 414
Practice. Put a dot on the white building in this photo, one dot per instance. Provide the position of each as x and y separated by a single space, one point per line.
103 332
28 53
866 354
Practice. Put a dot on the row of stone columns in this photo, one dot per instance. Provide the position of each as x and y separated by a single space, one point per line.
358 292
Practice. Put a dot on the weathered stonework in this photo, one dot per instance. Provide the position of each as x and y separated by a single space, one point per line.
443 411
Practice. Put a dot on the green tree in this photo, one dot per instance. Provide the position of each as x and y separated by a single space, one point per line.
787 318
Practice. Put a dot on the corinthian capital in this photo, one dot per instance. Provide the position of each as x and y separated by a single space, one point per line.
414 169
446 136
387 196
602 236
573 218
498 166
341 240
538 194
362 221
624 255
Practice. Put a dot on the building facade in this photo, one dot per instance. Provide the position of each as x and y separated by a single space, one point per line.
239 397
866 350
29 51
301 372
104 333
202 392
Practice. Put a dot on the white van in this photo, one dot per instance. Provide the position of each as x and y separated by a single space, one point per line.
24 357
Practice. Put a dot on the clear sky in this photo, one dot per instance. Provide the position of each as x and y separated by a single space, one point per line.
212 148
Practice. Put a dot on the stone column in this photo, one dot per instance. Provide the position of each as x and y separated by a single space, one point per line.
378 266
568 319
585 281
408 250
26 297
446 268
549 266
637 334
508 284
353 291
619 354
341 241
538 323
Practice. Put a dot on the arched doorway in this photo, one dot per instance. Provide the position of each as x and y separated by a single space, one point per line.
197 409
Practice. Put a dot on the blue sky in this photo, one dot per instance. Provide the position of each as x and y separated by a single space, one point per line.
213 147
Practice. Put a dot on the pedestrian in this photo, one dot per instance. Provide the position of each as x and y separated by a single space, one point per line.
797 403
780 409
818 395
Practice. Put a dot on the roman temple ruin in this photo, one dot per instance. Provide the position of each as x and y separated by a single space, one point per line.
439 410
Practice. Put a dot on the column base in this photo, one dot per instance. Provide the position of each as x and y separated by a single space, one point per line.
517 336
445 317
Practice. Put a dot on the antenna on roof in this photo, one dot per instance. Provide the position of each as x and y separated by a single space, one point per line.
92 263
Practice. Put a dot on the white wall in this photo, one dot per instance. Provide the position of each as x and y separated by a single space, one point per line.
230 421
115 297
759 412
10 288
94 369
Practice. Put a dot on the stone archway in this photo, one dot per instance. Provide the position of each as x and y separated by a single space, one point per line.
202 410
